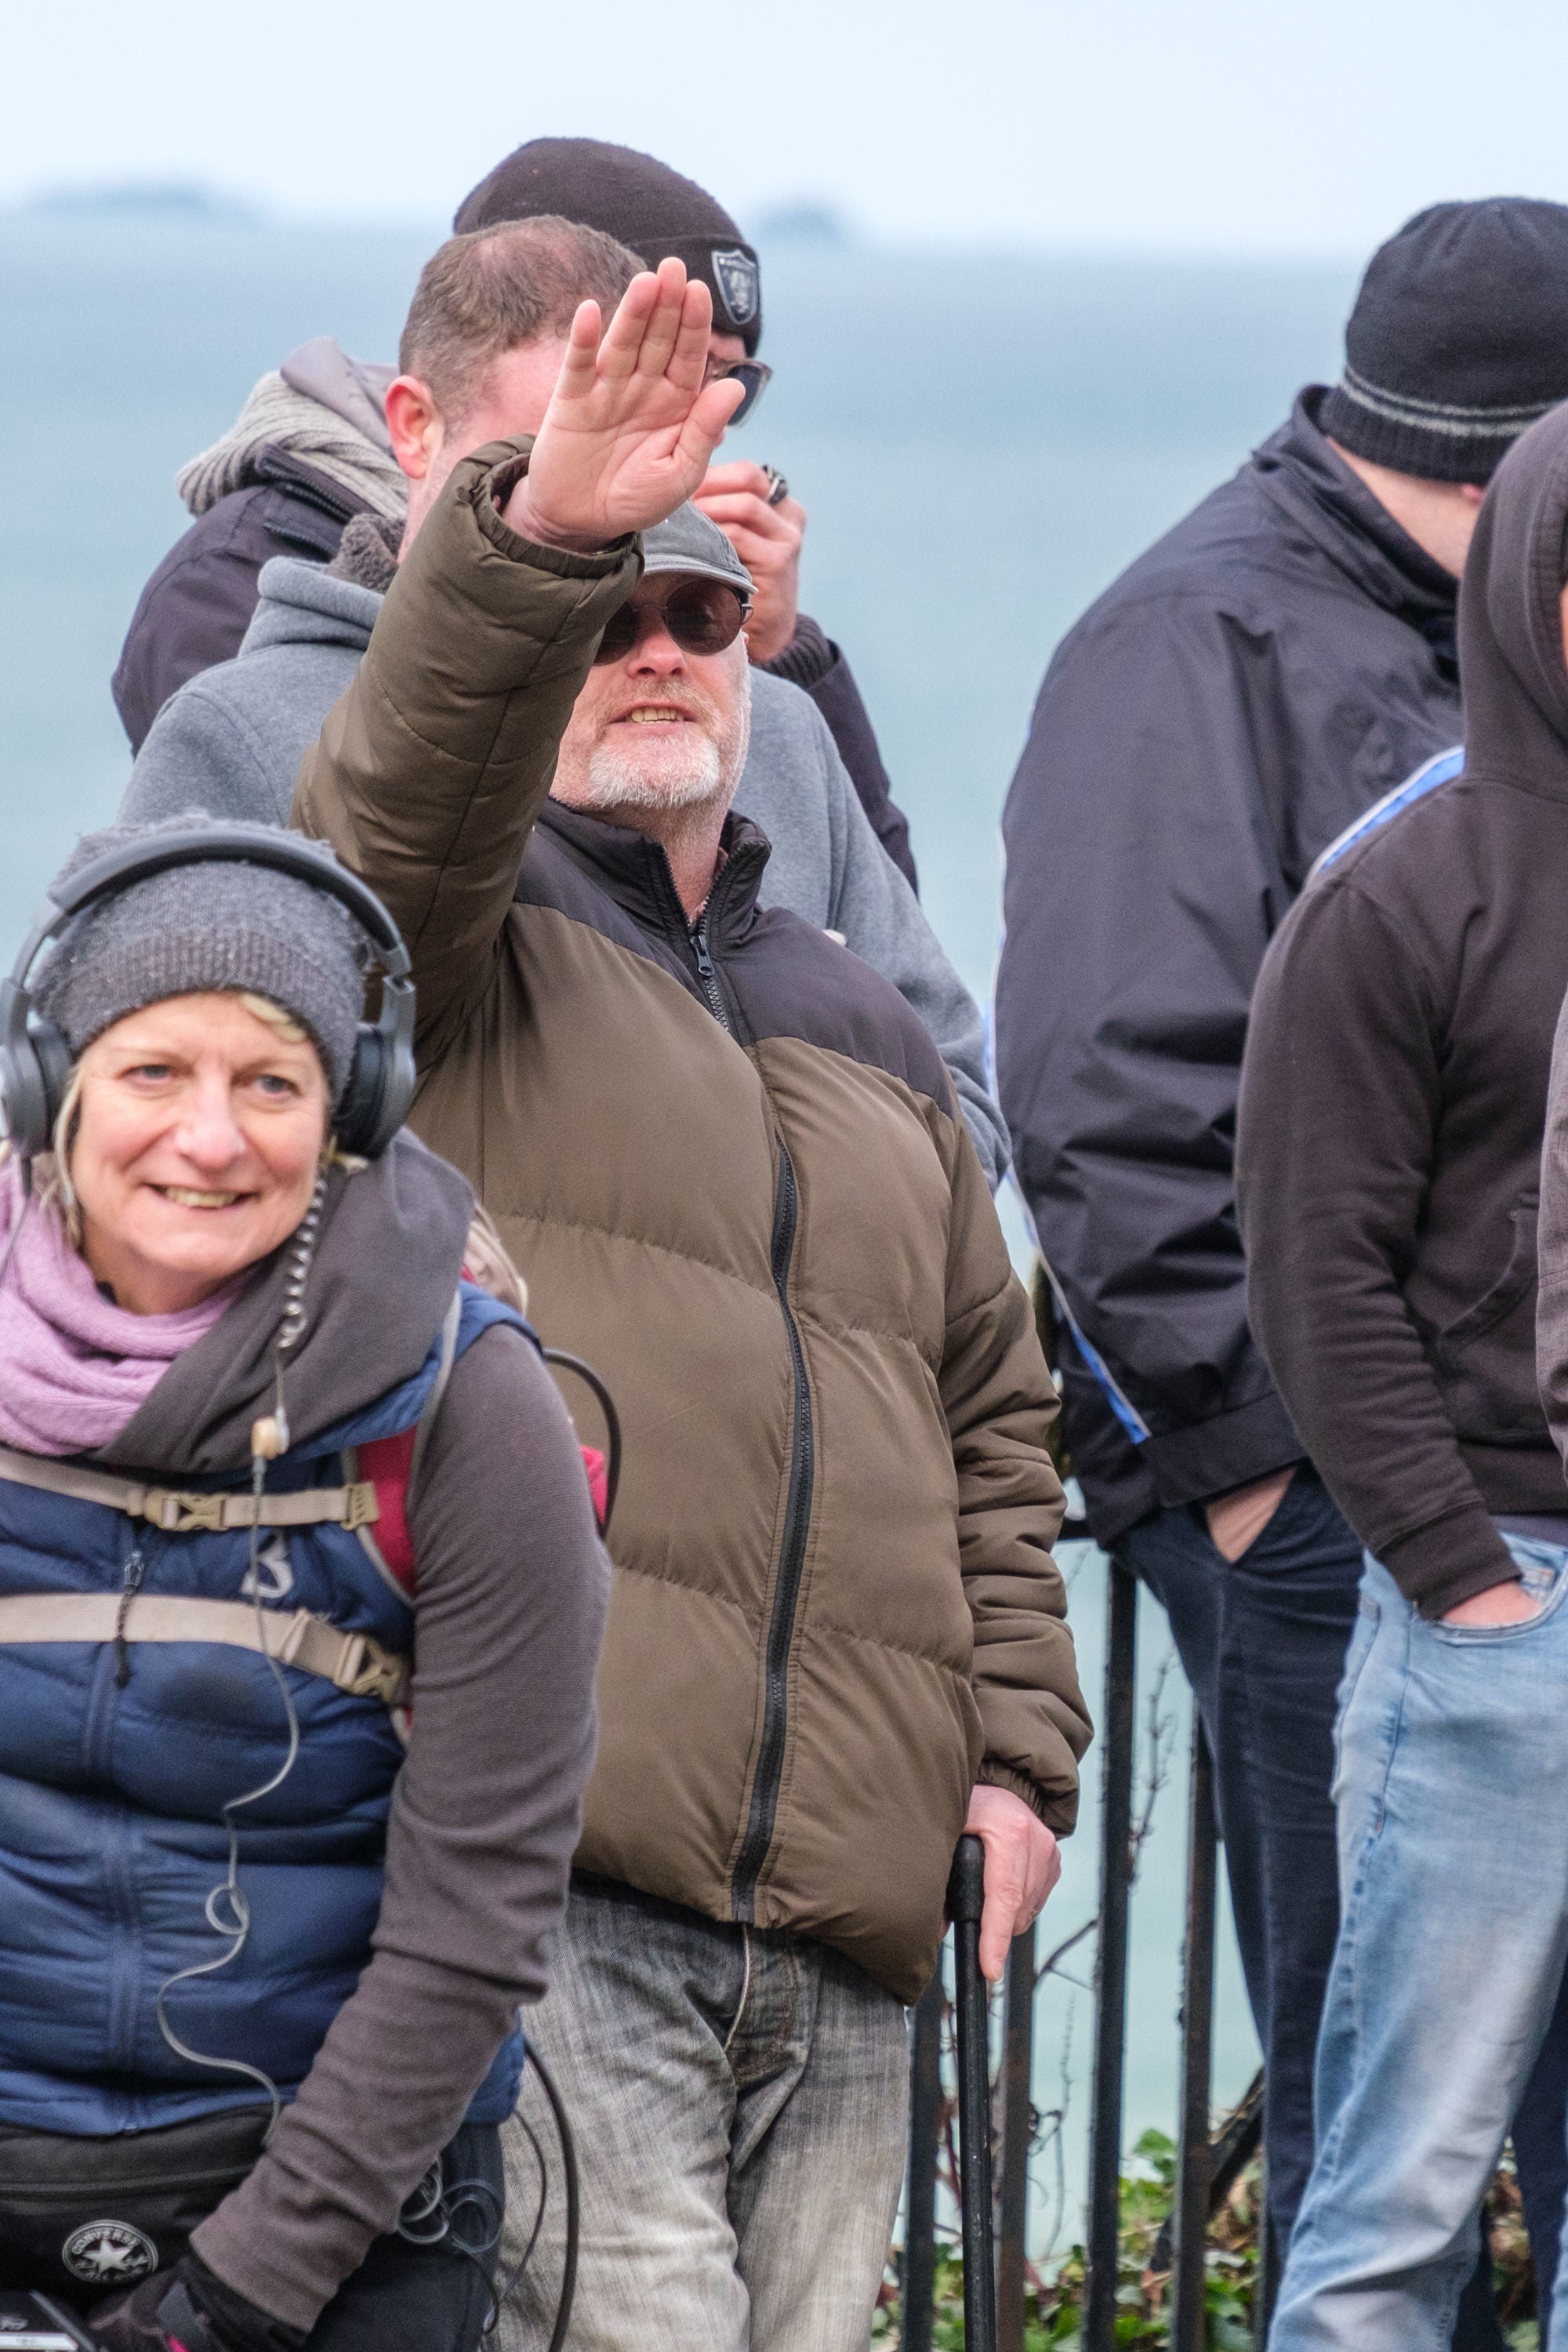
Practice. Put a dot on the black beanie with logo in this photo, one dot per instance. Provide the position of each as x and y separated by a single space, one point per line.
633 198
1458 340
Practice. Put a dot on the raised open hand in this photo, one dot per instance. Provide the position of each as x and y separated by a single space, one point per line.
631 425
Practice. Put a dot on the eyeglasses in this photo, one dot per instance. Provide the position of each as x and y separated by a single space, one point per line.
703 616
754 373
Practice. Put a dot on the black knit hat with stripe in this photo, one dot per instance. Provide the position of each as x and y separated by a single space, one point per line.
636 198
1458 340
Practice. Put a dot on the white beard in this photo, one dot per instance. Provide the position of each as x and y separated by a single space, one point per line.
670 771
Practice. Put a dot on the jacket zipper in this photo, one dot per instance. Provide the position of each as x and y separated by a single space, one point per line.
792 1560
135 1570
763 1809
118 1851
712 993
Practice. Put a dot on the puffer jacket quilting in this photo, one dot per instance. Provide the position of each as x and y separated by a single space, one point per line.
111 1796
733 1172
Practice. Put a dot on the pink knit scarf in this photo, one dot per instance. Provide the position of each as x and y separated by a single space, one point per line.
74 1369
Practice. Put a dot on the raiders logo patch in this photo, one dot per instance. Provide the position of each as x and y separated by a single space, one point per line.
108 2254
738 288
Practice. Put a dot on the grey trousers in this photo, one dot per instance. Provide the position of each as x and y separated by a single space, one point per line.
739 2101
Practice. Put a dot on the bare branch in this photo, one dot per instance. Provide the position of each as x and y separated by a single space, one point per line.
1160 1741
1052 2135
1053 1959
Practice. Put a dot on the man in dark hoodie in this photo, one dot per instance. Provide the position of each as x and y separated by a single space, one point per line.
311 450
1275 664
1392 1112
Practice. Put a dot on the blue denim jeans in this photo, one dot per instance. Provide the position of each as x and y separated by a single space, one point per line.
1262 1641
740 2103
1452 1802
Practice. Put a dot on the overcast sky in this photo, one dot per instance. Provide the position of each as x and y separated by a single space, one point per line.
1151 125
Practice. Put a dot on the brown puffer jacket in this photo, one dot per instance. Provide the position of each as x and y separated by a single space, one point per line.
731 1167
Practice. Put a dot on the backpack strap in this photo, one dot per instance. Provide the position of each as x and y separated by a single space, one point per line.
390 1465
353 1661
426 1421
353 1506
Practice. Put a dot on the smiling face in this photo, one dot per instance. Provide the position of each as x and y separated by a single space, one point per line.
196 1147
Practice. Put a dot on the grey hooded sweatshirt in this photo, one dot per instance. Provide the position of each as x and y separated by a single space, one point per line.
231 741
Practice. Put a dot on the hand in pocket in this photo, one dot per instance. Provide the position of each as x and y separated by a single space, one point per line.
1501 1604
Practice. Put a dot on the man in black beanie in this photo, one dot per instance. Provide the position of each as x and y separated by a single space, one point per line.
1252 684
640 200
656 210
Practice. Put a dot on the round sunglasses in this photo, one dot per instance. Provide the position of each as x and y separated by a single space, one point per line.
754 374
703 616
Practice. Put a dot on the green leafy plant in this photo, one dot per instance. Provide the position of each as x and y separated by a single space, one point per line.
1053 2305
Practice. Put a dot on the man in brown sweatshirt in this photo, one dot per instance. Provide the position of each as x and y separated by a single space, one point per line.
1388 1157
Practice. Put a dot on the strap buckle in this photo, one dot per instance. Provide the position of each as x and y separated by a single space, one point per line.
184 1514
361 1508
381 1676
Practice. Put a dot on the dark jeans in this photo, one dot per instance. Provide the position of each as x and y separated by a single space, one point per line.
409 2298
405 2297
1262 1641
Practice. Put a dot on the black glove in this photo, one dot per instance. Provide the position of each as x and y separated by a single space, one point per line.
191 2309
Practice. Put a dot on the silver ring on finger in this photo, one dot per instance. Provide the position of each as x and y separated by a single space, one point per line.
778 487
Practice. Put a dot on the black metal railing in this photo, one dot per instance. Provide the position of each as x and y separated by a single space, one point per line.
1206 2167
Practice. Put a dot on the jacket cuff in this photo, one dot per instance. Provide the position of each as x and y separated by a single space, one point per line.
491 493
808 656
1446 1562
1231 1449
993 1775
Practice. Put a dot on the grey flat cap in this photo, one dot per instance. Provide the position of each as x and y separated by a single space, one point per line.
690 543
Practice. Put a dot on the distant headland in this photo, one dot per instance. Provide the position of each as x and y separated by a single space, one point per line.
181 203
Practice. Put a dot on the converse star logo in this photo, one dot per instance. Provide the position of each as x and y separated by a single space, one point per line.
737 276
108 2254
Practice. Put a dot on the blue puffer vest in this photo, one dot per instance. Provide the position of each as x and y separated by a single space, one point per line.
112 1829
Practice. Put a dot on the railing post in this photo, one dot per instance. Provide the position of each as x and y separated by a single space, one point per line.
919 2202
1193 2162
1111 1962
1017 2117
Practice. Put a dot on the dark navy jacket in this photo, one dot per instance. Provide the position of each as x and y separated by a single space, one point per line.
111 1827
1253 682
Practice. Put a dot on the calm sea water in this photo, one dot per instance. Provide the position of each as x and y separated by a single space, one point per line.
981 444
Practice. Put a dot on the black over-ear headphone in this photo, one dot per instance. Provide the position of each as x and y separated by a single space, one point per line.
36 1062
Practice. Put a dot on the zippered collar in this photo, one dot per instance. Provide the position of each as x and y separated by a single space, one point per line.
1298 472
634 870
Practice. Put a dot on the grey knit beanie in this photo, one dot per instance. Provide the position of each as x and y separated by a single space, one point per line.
217 924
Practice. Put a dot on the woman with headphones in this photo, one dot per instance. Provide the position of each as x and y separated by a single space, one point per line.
300 1596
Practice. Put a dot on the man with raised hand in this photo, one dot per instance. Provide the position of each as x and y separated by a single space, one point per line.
477 359
311 451
657 210
731 1165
